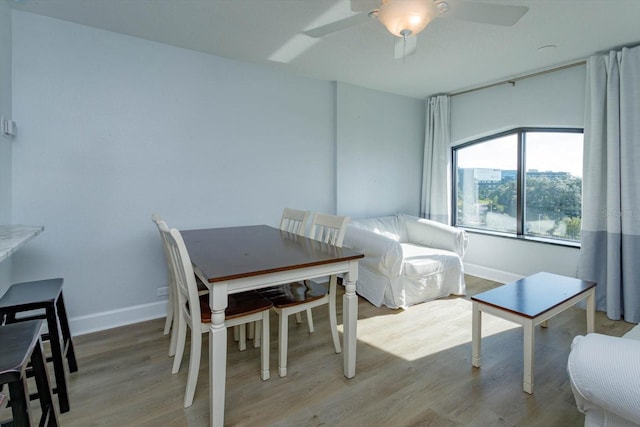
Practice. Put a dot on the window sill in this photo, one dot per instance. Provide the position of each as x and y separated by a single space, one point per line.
547 241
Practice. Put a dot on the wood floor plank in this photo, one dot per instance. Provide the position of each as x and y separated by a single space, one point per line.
413 369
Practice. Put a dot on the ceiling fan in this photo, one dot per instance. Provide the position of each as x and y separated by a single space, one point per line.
406 18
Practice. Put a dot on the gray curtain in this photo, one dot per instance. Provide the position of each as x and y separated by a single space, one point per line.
436 167
610 253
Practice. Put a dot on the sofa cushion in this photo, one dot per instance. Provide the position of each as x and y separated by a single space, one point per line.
422 261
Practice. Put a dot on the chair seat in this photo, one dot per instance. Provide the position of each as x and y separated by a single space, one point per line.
242 304
295 293
18 341
32 295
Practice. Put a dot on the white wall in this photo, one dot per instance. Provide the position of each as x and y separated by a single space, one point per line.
113 128
380 149
5 142
551 100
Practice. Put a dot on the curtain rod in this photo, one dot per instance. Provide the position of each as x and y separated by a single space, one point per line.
517 79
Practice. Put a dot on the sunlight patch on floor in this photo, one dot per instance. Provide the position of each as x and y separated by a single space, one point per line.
426 329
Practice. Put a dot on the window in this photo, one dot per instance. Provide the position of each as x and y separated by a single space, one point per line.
525 182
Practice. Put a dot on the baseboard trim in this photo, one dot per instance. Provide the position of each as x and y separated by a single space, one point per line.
114 318
139 313
490 273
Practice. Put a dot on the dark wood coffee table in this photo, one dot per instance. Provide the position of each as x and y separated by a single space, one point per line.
529 302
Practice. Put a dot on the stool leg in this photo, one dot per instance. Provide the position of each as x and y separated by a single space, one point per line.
20 403
66 334
41 377
58 359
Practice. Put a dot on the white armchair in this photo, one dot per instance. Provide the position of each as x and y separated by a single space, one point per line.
605 378
408 260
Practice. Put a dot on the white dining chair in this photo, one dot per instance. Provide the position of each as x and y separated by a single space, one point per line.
297 297
170 323
195 314
172 302
294 221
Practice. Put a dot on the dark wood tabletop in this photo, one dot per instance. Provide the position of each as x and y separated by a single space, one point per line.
534 295
236 252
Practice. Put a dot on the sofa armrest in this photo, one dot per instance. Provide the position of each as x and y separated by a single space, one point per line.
605 375
436 235
380 251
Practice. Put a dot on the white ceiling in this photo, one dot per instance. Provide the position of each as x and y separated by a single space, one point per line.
452 55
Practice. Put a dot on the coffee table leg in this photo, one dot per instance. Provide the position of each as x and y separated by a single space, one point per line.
528 344
591 311
476 336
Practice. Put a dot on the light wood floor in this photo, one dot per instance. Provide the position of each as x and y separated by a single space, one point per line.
413 369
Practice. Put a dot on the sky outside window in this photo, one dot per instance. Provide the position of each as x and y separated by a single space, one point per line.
546 151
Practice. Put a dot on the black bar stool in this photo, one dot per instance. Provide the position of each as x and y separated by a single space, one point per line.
44 295
20 345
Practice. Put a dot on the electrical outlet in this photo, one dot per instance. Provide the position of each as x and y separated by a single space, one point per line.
163 292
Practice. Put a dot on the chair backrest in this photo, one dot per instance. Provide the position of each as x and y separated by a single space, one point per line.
328 228
185 279
294 221
165 249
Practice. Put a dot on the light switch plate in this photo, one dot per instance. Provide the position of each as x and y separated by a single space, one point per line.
8 126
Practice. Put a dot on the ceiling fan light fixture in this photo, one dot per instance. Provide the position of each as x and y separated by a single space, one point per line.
405 18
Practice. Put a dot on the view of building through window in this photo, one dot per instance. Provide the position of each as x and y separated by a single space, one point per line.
549 203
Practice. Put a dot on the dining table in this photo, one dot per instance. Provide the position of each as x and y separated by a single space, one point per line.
236 259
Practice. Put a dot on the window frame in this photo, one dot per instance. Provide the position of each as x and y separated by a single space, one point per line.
520 184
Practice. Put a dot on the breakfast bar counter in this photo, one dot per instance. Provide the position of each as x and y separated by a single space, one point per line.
13 237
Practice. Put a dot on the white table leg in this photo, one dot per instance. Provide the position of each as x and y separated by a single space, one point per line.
349 318
476 334
264 350
528 355
591 311
217 353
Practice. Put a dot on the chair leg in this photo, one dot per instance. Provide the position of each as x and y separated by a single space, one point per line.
333 323
242 343
283 333
66 334
58 359
310 321
180 343
177 319
264 350
298 318
20 407
43 385
251 333
169 320
194 367
257 332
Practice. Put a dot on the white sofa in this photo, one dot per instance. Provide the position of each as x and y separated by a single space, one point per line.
408 260
605 378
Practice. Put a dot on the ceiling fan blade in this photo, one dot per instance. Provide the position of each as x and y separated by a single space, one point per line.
405 47
364 5
341 24
495 14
